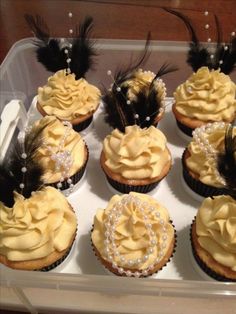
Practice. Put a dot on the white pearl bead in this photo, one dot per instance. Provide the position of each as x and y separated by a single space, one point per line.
136 274
109 72
23 156
66 51
226 48
233 34
144 272
147 118
128 273
207 26
22 185
221 62
70 14
206 13
209 40
212 56
23 169
136 116
71 31
118 89
128 102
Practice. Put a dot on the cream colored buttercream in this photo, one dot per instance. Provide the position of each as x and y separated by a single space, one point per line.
68 98
207 96
216 229
36 227
53 134
200 163
137 153
131 236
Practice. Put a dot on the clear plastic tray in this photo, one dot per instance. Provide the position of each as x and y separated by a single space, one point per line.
81 283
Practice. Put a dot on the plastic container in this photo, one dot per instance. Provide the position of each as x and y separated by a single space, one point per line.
81 284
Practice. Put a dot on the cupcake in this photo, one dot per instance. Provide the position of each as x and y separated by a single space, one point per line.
208 95
37 225
209 161
69 99
37 233
63 153
133 236
136 159
213 237
67 95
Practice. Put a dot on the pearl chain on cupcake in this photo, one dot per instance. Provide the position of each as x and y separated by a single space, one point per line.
110 247
62 158
199 136
158 83
68 49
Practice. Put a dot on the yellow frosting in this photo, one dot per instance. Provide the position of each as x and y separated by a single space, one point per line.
216 229
137 153
141 81
131 235
207 96
52 135
35 227
68 98
200 163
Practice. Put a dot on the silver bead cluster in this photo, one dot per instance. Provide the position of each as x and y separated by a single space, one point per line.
110 248
62 158
199 136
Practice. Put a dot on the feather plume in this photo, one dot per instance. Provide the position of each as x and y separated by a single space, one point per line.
11 175
227 160
82 51
199 56
146 104
50 53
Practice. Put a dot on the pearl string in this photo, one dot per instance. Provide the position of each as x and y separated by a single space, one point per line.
157 82
62 158
110 247
199 136
67 51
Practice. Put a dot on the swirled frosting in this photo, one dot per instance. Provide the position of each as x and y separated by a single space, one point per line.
207 96
131 236
53 133
216 229
35 227
142 81
201 163
137 153
67 98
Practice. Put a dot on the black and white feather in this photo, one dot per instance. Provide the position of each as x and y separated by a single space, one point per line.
52 53
20 172
224 55
227 160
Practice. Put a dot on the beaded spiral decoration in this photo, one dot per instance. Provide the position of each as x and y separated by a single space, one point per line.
146 212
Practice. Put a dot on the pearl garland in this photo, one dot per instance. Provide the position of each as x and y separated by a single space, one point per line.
62 158
110 248
203 143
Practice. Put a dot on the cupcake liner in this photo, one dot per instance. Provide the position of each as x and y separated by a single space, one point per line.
197 186
82 125
185 129
203 266
75 178
57 263
126 188
142 276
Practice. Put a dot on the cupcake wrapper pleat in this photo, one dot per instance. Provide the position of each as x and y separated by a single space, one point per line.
204 267
125 188
185 129
82 125
199 187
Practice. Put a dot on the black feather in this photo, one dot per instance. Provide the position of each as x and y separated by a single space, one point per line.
11 175
53 56
119 114
38 27
199 56
227 160
82 52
